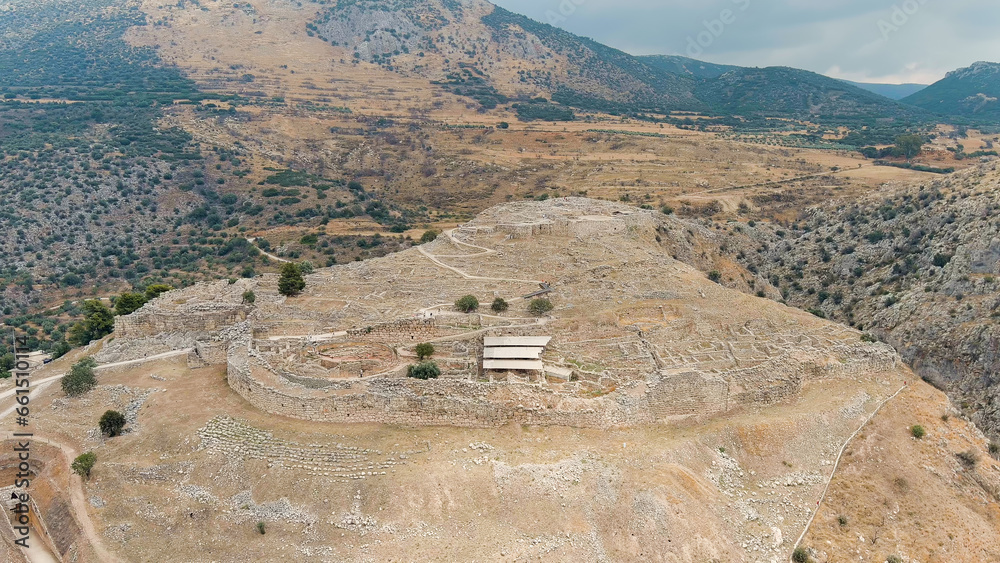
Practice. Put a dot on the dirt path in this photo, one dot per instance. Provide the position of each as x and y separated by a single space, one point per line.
39 385
836 465
434 258
78 499
778 182
252 240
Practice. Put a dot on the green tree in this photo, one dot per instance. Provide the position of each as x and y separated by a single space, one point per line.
918 431
60 349
424 371
80 378
467 304
291 282
503 125
499 305
98 322
112 423
306 267
540 306
129 302
155 290
83 464
909 145
429 236
424 351
249 297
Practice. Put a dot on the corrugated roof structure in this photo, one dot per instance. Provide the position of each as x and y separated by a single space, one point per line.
513 353
519 353
501 341
521 365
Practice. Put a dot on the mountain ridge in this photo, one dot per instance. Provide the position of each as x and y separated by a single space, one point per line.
497 56
970 92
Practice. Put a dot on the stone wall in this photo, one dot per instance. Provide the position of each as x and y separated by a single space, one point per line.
412 402
688 394
150 321
490 404
405 330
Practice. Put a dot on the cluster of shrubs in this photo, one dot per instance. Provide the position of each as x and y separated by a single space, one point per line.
470 304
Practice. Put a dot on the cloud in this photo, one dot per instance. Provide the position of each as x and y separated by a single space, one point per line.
870 40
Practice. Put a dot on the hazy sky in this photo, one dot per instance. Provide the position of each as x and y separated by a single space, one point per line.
865 40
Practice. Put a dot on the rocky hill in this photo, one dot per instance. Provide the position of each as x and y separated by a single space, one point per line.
674 420
915 266
969 92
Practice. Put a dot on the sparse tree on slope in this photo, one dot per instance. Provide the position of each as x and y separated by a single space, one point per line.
291 282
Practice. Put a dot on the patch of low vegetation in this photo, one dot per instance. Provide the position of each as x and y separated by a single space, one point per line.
540 306
543 111
84 464
499 305
80 378
918 431
424 351
97 323
424 371
969 458
112 423
467 304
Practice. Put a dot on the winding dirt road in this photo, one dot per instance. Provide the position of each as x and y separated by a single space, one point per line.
77 495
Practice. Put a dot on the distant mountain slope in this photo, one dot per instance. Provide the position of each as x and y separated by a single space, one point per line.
686 67
891 91
475 49
968 92
794 93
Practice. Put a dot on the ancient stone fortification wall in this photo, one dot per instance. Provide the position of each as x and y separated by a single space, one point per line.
688 394
397 331
150 320
411 402
480 404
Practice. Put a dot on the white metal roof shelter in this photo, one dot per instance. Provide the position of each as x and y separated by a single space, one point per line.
517 365
528 341
515 353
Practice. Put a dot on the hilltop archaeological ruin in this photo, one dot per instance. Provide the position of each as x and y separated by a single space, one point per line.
633 340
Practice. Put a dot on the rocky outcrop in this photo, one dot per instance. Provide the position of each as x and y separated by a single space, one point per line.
916 266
